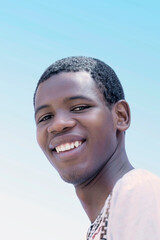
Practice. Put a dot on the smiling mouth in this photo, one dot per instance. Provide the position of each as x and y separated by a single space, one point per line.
67 146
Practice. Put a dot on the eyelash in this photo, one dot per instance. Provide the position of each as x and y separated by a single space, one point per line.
75 109
45 118
81 108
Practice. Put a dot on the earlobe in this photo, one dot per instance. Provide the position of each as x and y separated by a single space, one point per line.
122 116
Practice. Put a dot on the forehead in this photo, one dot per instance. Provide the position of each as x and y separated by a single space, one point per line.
66 84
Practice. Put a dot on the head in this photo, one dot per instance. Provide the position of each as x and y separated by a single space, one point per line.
104 76
80 112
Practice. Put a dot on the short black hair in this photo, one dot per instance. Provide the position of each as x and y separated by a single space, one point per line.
104 76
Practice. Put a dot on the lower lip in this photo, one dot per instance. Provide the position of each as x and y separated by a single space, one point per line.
70 154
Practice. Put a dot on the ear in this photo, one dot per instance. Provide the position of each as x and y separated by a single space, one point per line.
122 116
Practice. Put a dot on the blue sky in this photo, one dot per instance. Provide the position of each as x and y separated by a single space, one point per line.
33 34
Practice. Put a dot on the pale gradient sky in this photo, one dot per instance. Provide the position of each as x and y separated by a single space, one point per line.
34 202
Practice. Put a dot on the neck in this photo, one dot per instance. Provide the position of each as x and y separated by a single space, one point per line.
93 194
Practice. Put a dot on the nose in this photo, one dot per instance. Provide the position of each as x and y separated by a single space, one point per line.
60 123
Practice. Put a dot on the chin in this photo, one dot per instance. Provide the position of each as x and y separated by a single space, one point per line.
74 178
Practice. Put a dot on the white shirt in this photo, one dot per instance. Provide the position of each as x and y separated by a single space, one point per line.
132 211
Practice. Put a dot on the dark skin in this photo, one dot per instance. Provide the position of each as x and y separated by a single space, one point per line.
74 111
102 185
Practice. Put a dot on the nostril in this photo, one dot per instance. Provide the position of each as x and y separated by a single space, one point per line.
60 125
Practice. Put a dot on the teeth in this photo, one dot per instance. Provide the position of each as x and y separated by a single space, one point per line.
68 146
63 148
76 144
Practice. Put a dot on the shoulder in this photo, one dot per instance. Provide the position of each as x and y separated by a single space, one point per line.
137 188
135 208
139 182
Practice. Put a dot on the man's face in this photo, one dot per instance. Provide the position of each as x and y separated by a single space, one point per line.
75 128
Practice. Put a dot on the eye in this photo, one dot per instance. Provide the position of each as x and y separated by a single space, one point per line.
80 108
45 118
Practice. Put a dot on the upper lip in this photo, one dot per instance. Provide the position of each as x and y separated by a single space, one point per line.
56 141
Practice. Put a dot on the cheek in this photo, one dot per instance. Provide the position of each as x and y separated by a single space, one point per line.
41 137
103 134
102 123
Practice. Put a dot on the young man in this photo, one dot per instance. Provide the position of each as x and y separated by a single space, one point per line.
81 117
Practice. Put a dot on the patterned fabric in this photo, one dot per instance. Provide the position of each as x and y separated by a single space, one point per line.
98 229
132 211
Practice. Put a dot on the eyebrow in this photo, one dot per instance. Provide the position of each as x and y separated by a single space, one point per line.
77 97
40 108
65 100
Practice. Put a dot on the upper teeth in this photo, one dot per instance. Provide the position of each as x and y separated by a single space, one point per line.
68 146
